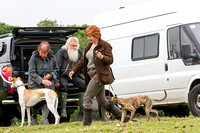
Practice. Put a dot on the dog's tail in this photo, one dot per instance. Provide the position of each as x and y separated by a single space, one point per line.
56 103
159 100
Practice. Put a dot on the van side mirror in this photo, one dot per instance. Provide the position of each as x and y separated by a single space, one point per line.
186 52
193 55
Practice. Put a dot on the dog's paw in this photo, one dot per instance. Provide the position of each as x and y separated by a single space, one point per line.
133 121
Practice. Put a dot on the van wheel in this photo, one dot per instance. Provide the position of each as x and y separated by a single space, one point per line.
104 114
194 100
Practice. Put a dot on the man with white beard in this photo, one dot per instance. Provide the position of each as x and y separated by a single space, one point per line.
67 57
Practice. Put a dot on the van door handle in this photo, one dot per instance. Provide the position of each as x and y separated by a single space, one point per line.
166 67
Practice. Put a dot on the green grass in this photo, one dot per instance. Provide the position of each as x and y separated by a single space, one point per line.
166 125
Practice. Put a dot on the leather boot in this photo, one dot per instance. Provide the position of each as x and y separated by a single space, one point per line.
87 117
45 113
81 96
63 101
117 112
35 112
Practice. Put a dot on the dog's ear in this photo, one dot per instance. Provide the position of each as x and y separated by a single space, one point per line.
13 79
19 78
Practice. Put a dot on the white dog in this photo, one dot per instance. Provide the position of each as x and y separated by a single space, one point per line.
29 98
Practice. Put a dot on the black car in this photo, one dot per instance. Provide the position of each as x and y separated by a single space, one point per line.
15 52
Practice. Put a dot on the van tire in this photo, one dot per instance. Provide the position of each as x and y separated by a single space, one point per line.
104 114
194 100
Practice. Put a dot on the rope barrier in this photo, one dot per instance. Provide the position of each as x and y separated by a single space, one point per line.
42 70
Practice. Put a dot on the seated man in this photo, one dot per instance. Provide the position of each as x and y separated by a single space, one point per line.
42 74
67 57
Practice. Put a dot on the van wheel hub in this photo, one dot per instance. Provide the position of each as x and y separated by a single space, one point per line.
198 101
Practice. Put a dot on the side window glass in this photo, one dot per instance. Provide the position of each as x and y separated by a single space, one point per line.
173 43
138 48
145 47
187 48
3 48
151 46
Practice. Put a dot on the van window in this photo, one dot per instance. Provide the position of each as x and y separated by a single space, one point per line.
3 48
145 47
180 45
173 43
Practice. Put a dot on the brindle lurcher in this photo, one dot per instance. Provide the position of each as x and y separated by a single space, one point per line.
132 104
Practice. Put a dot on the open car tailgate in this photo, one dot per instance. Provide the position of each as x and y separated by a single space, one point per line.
44 32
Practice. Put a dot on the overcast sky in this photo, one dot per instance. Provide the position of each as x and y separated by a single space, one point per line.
66 12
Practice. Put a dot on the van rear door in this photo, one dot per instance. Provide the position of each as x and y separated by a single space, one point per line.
5 50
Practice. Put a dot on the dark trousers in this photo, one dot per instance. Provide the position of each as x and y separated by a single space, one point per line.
65 80
93 89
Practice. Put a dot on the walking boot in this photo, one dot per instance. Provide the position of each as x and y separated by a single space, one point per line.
81 96
63 101
117 112
87 117
45 113
35 112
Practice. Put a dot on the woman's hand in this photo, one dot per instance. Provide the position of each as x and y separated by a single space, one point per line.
99 54
71 74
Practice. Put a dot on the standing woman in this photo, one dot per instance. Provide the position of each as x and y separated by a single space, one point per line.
96 63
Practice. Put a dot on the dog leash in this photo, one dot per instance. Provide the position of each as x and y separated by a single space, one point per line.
110 86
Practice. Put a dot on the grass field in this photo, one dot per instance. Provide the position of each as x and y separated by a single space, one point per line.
166 125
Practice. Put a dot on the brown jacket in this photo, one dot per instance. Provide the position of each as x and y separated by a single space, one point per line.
102 66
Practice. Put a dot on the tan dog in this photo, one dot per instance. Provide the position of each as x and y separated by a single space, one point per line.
132 104
29 98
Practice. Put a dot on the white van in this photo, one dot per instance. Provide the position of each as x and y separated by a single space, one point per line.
156 47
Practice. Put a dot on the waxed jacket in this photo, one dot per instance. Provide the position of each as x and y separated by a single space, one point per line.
62 60
38 67
102 66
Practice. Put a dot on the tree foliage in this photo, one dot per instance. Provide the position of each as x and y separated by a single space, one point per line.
4 28
48 23
80 34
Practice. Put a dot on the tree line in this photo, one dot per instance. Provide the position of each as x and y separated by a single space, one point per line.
5 28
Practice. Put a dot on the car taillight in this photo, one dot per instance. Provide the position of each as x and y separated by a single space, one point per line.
11 90
7 74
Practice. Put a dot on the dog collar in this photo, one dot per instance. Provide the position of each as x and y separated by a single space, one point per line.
20 85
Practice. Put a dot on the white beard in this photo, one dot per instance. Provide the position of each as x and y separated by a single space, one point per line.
73 55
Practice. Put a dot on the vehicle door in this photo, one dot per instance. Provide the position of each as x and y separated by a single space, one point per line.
182 63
